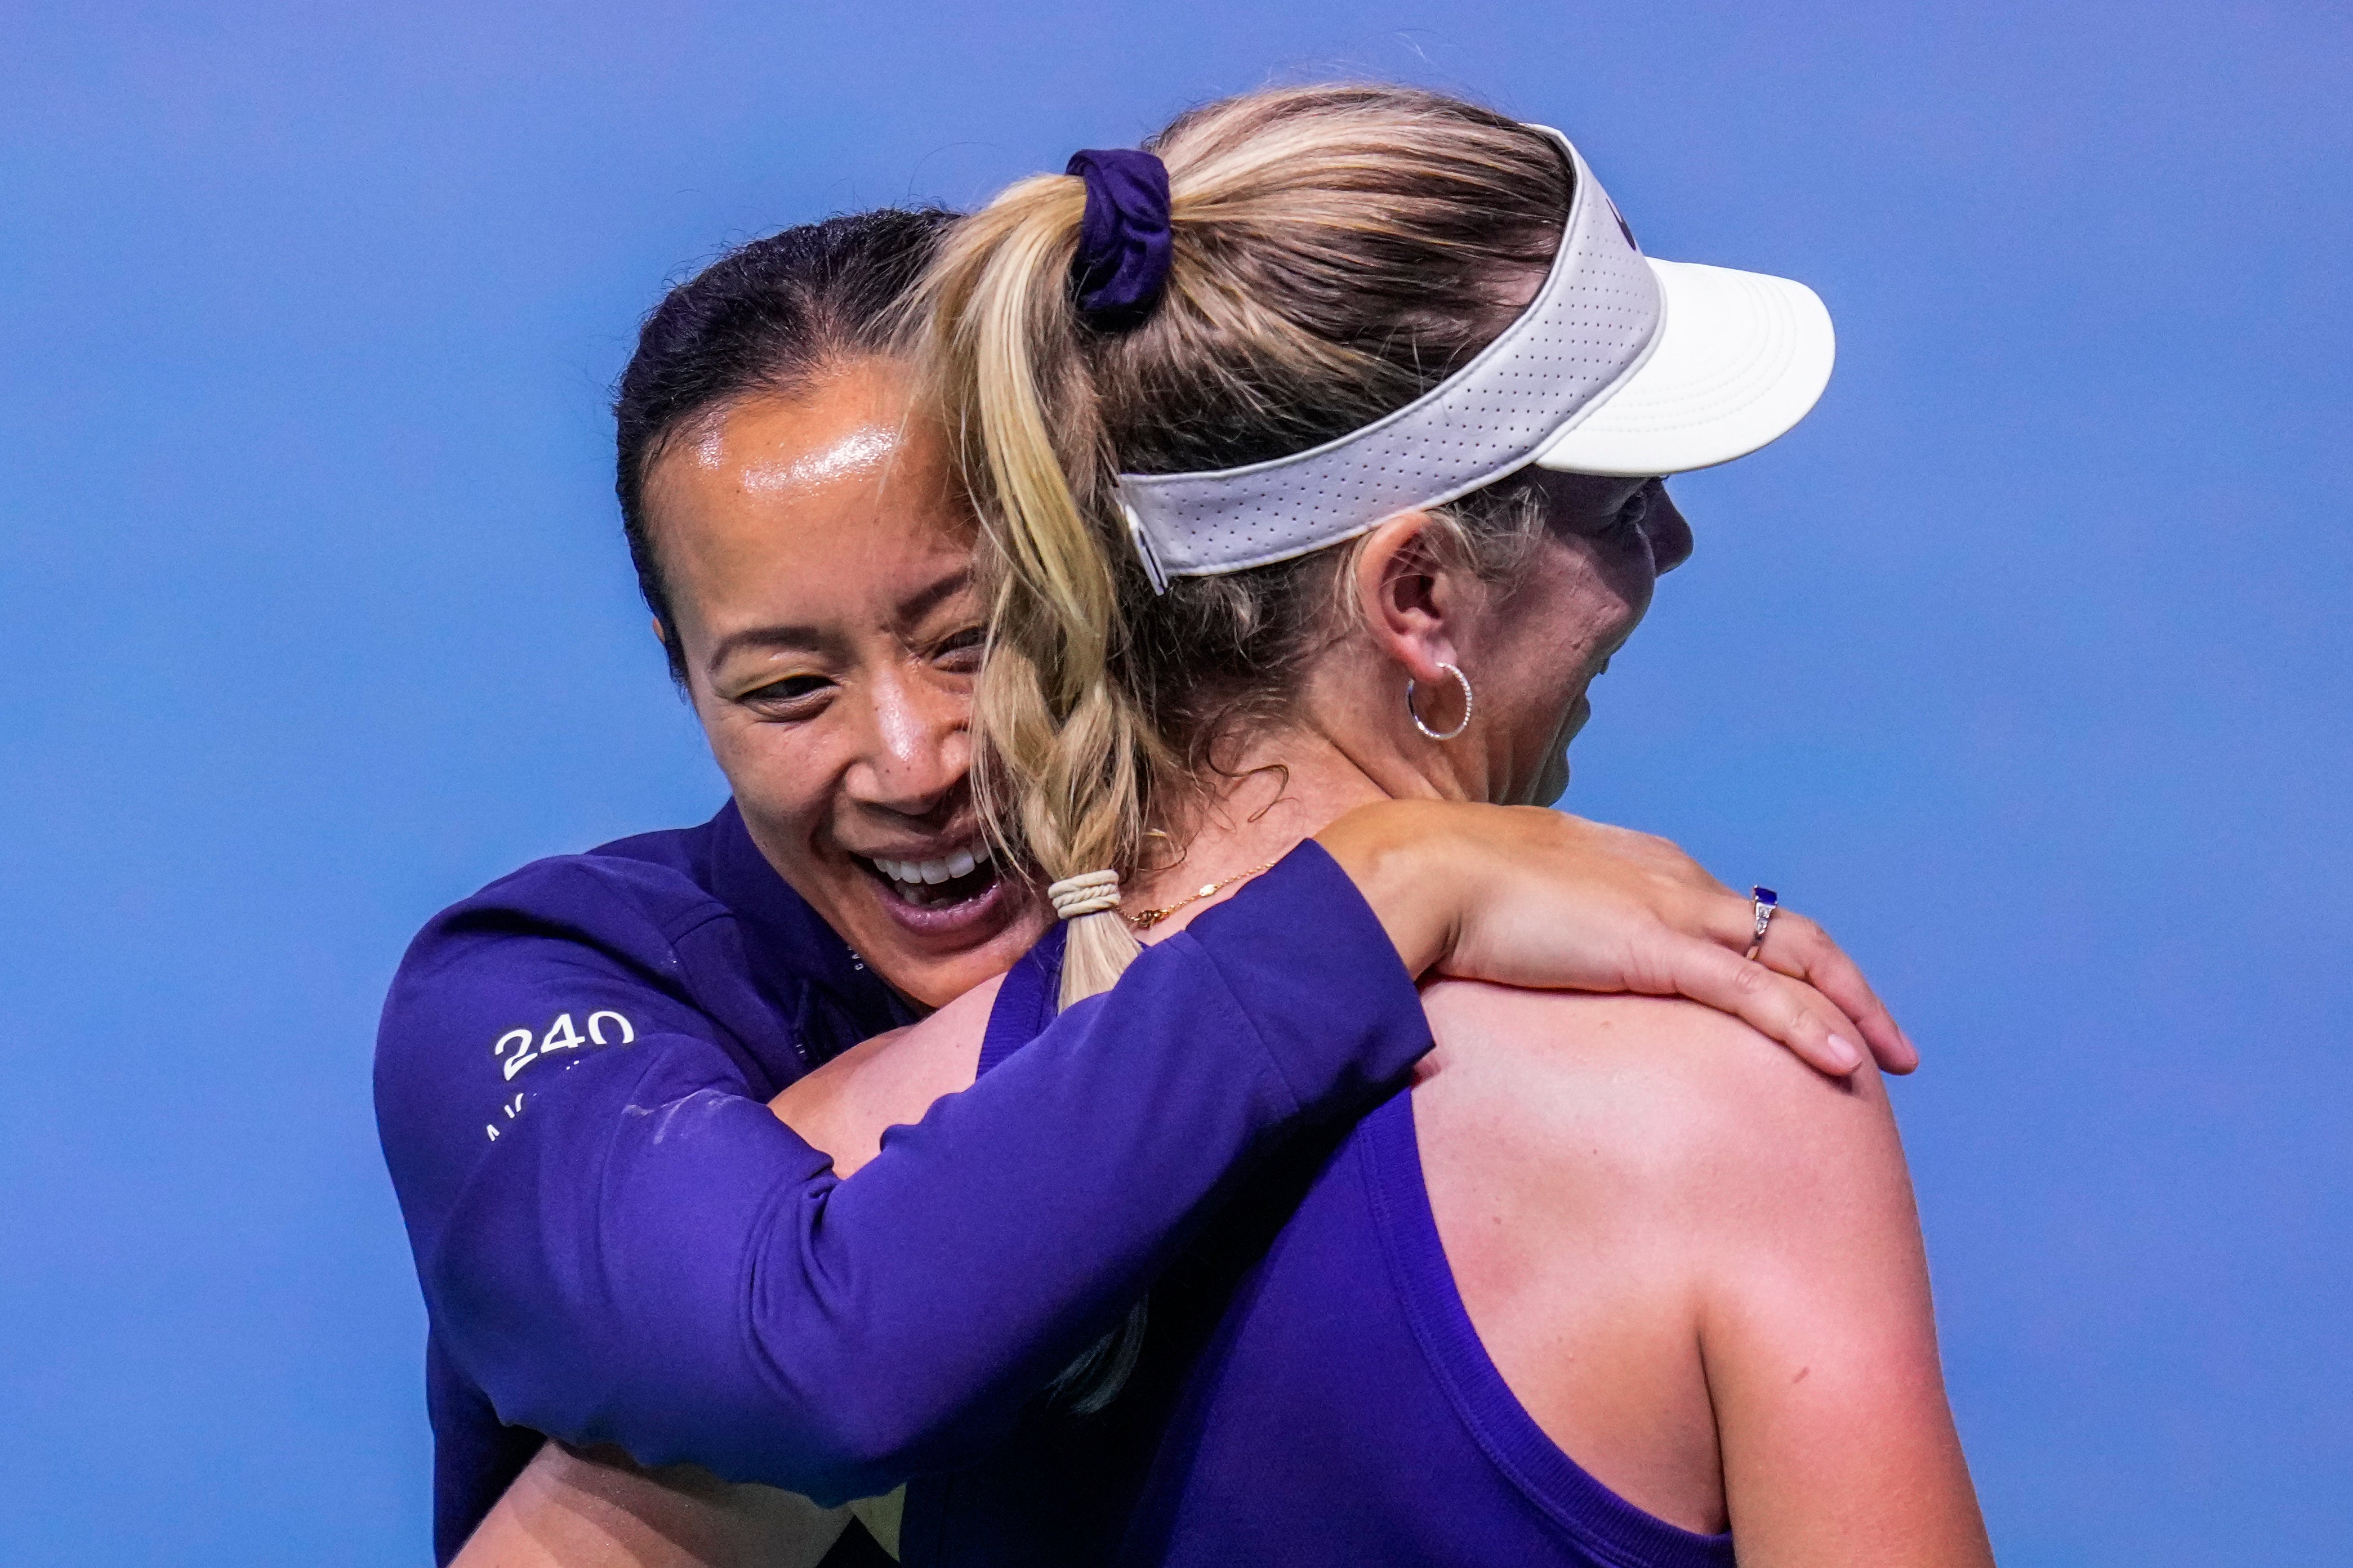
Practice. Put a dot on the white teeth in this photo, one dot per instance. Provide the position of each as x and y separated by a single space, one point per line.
927 873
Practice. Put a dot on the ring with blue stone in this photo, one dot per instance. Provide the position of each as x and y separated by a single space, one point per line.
1763 903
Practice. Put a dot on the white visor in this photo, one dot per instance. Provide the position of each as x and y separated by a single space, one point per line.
1620 365
1738 359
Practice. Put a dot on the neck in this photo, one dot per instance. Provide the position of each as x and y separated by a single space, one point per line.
1283 789
1346 743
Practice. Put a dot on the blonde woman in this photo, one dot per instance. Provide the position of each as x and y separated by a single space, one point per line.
1332 481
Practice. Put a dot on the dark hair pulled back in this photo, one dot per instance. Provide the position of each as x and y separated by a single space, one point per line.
768 318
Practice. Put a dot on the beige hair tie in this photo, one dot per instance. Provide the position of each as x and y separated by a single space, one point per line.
1088 893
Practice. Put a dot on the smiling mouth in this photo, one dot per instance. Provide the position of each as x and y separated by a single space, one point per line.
934 884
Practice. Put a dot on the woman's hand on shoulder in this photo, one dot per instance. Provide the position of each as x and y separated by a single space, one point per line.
1530 897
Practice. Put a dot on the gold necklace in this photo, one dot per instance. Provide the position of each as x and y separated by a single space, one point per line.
1147 919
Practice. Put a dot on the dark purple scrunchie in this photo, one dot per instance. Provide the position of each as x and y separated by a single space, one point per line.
1123 241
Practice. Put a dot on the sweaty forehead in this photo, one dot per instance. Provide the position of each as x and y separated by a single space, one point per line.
796 462
853 419
851 435
834 486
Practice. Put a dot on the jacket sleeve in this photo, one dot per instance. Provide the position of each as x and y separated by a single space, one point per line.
638 1252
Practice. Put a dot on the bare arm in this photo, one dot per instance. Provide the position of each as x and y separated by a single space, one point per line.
571 1509
1819 1342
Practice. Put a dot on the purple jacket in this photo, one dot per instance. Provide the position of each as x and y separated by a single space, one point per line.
619 1243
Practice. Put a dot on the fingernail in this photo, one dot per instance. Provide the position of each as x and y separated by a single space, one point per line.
1844 1054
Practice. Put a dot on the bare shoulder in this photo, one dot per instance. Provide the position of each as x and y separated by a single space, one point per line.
1696 1262
1606 1174
1690 1101
843 1107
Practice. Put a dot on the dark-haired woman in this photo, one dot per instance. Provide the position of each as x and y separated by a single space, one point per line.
623 1250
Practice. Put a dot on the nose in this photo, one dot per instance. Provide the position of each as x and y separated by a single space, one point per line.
916 750
1663 525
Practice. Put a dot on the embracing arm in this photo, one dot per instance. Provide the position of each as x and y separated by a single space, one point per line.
625 1246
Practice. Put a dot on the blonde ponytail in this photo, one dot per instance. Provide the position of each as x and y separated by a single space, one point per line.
1064 753
1335 252
1061 752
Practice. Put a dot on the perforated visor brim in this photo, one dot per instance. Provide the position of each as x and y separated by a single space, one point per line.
1740 358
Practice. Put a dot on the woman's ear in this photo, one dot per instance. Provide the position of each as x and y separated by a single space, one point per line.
1413 596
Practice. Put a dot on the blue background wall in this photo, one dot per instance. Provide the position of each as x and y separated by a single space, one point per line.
2023 663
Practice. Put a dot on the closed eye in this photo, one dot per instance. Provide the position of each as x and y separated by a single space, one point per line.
961 651
793 690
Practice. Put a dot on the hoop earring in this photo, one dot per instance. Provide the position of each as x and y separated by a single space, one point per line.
1465 682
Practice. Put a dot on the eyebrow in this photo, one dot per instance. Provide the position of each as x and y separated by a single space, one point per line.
923 601
762 637
917 605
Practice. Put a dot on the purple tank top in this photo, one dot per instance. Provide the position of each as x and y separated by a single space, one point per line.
1311 1393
